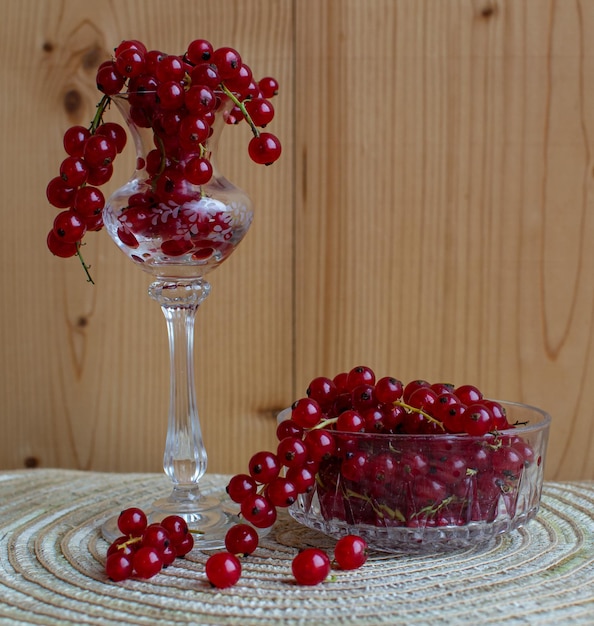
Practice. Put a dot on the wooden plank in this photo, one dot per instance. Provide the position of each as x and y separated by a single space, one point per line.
444 204
440 183
85 369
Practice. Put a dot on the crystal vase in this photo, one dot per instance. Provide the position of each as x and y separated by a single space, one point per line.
179 231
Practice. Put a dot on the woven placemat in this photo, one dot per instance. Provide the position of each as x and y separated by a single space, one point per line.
52 555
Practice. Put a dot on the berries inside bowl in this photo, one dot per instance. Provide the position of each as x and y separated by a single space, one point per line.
421 467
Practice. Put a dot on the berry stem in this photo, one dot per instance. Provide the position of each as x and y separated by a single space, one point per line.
420 411
238 103
103 104
82 261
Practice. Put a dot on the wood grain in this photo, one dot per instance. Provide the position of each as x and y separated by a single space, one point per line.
431 217
445 200
85 367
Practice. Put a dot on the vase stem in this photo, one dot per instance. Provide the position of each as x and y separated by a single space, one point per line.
185 458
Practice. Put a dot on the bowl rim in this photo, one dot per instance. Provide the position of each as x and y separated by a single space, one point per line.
542 424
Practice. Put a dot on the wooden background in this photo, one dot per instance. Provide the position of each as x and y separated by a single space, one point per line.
432 216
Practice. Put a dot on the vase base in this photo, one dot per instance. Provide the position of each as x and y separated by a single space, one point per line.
208 519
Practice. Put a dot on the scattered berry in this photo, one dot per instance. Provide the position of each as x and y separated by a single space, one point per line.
311 566
223 569
350 552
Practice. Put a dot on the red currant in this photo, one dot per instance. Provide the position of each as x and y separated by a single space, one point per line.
264 149
306 412
241 539
350 552
118 566
147 562
264 467
69 226
311 566
223 570
132 521
360 375
388 389
199 50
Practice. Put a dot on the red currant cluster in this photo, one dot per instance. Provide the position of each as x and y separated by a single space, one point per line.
355 402
177 97
144 549
91 152
386 454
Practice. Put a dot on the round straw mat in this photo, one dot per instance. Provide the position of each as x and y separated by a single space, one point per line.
52 555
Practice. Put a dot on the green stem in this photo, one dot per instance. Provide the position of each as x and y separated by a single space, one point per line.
238 103
82 261
103 104
420 411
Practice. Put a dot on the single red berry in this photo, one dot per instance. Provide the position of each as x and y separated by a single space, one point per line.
422 398
118 566
264 149
147 562
306 412
412 386
99 151
199 50
288 428
260 110
302 477
350 552
69 226
74 171
240 487
170 68
323 391
227 61
108 79
223 570
198 170
350 421
132 521
156 536
468 394
388 389
168 555
360 375
88 201
363 397
268 86
264 467
241 539
59 247
311 566
320 444
130 63
477 420
130 44
281 492
74 140
60 193
292 452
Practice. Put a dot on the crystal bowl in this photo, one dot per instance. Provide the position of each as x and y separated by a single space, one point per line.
430 492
